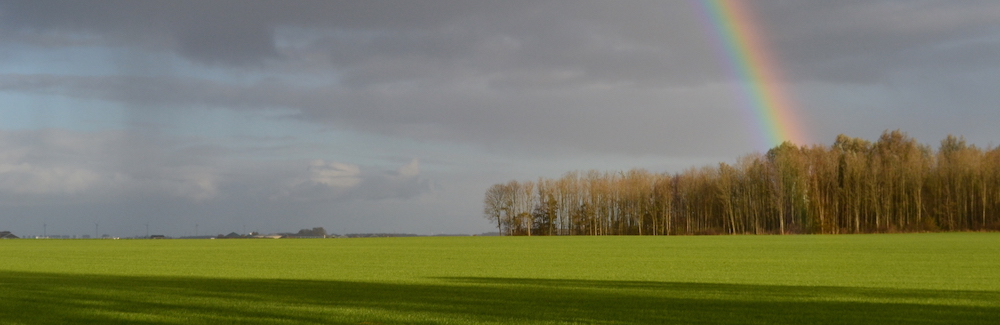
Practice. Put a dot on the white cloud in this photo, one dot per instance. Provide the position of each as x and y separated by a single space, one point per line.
410 170
321 181
327 180
333 174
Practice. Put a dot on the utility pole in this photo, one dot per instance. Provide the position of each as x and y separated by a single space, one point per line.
196 230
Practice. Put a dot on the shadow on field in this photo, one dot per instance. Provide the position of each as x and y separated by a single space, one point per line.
33 298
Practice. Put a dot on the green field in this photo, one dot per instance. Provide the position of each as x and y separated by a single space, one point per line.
825 279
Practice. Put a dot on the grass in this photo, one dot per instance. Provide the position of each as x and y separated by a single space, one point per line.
847 279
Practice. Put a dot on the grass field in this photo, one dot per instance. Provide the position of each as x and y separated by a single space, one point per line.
847 279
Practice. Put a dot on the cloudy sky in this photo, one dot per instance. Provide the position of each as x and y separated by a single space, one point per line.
395 116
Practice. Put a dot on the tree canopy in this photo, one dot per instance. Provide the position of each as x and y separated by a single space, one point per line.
853 186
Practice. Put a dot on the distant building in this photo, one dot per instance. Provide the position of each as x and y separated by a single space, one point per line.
157 237
7 235
230 235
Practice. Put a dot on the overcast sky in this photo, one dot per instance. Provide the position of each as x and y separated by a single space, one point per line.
396 116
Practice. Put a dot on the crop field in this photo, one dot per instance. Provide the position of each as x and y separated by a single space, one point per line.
948 278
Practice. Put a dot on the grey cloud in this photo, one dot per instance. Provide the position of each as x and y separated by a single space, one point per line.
97 167
372 42
39 166
535 76
872 41
149 92
240 45
70 180
220 32
611 118
403 183
366 38
594 42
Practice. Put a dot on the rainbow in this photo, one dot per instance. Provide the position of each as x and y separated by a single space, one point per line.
747 55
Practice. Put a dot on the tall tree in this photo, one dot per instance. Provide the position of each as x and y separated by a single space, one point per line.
852 186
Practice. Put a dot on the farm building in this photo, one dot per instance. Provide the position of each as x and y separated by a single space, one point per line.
7 235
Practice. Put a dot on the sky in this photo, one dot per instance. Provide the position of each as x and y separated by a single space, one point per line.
206 117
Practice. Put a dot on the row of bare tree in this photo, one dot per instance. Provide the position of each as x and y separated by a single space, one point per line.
853 186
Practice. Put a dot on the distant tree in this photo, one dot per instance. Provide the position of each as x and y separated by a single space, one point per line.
494 206
315 232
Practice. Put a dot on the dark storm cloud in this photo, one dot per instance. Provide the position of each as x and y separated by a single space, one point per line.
538 44
530 76
612 120
536 76
385 41
607 39
872 41
224 31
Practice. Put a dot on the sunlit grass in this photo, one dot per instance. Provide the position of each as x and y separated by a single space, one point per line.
849 279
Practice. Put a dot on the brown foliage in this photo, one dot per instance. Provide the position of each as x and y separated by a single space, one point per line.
852 186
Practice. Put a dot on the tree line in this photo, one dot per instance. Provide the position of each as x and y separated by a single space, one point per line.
854 186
